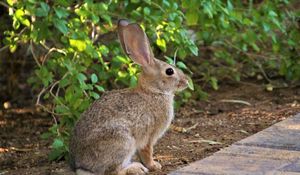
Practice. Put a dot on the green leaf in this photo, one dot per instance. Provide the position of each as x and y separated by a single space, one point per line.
43 10
272 13
169 60
208 9
64 82
61 109
266 27
133 81
214 83
99 88
11 2
94 78
61 12
181 65
95 95
147 11
57 143
19 14
122 59
104 50
56 154
190 83
194 49
81 77
46 135
192 18
78 44
103 7
161 43
12 47
61 25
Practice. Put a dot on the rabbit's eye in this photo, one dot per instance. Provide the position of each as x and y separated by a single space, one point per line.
169 71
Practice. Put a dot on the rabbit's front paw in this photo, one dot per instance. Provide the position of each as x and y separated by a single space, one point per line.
154 166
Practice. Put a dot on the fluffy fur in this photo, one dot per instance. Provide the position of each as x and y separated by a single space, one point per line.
127 121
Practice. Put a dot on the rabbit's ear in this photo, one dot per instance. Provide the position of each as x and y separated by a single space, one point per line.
135 43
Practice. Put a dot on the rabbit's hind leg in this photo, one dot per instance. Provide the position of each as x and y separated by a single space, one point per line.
134 168
127 167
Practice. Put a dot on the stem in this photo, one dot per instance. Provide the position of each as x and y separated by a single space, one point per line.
33 54
158 6
3 48
21 32
6 5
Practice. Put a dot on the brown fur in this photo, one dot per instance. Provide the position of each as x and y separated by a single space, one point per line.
126 121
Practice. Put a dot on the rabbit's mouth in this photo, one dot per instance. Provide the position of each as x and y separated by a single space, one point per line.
182 84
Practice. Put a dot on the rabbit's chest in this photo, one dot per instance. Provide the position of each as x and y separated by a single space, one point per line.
156 119
163 119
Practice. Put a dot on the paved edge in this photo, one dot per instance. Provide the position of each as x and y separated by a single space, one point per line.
272 151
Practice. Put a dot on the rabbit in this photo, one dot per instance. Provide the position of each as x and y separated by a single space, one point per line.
127 121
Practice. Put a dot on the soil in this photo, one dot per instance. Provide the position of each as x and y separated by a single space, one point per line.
199 129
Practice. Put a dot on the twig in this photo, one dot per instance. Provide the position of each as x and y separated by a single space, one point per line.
53 95
6 5
50 50
33 54
236 101
93 32
21 32
175 55
192 127
210 142
158 6
39 96
3 48
20 149
259 65
51 112
44 45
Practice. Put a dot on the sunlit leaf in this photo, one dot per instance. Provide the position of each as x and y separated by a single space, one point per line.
161 43
20 16
78 44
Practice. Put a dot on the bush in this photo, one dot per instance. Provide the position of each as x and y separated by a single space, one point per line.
78 57
242 38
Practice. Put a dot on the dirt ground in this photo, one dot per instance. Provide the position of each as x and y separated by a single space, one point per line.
200 128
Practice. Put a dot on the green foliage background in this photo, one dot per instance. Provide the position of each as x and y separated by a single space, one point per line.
78 57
